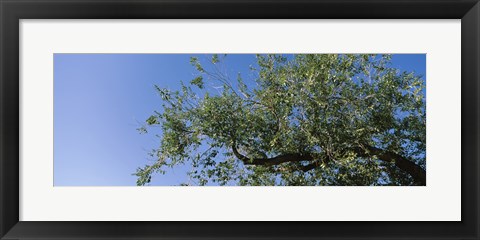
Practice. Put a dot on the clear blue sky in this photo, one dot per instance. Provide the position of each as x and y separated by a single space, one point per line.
101 99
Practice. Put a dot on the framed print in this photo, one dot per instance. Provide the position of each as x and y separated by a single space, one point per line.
237 119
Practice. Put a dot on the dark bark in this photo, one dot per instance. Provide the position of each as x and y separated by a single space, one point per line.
416 172
310 166
291 157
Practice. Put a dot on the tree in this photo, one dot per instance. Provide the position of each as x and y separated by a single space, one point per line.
307 119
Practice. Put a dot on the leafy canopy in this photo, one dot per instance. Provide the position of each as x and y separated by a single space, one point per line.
306 119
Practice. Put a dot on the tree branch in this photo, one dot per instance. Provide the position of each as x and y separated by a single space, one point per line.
309 167
418 174
291 157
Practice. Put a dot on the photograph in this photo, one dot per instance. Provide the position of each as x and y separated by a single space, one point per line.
212 119
290 119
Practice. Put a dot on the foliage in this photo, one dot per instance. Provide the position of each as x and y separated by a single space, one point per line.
306 119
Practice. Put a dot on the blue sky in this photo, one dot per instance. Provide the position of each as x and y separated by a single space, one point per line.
101 99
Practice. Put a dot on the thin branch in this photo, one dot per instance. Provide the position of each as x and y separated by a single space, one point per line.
291 157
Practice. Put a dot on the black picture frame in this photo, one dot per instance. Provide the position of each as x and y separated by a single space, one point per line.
12 11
